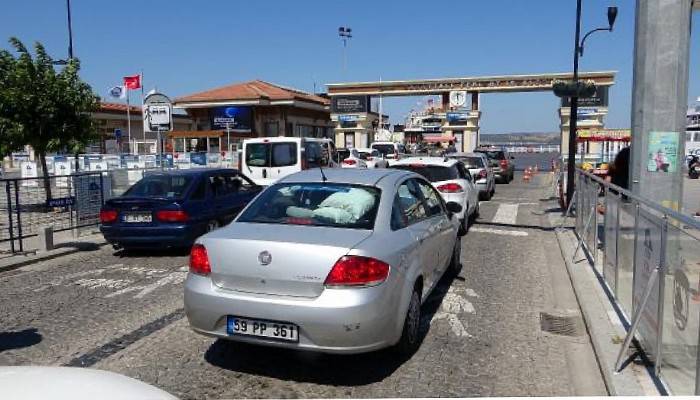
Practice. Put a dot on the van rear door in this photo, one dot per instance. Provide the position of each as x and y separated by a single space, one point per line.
266 162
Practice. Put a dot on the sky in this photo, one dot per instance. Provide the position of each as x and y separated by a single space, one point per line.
183 47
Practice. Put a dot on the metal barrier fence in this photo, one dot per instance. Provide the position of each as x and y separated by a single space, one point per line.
649 258
74 203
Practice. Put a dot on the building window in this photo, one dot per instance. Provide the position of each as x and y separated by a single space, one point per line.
349 140
304 131
272 128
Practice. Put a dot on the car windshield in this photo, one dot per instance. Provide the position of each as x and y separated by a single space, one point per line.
472 162
433 173
384 148
494 154
316 204
168 186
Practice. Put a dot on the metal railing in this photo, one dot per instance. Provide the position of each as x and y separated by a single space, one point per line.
649 258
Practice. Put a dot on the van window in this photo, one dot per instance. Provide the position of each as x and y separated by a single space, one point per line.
257 154
313 151
284 154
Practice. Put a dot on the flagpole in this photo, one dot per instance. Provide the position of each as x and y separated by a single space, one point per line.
128 116
142 111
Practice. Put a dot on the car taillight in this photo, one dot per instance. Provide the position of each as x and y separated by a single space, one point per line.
483 174
504 164
108 216
370 158
450 188
304 163
349 161
199 260
357 271
172 216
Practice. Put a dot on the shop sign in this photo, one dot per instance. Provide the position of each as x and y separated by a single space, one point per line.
457 117
350 104
347 118
237 118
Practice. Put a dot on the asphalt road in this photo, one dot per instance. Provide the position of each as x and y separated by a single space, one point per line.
483 333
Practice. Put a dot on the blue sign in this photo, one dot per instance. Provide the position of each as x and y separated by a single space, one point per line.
457 117
117 133
198 158
239 118
347 118
61 202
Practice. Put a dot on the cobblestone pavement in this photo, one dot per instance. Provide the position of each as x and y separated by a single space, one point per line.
483 333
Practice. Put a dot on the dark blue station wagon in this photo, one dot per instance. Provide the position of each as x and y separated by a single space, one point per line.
173 208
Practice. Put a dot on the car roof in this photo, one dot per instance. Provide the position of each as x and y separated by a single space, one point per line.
455 155
441 161
365 149
357 176
192 171
391 143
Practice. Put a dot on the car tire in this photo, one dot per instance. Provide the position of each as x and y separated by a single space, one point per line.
455 266
212 225
410 335
463 226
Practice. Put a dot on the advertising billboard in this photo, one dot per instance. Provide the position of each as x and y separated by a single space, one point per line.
238 118
350 104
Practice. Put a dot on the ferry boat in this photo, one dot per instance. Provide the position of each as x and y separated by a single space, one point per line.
692 130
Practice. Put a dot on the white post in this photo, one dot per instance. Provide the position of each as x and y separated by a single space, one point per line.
128 115
379 126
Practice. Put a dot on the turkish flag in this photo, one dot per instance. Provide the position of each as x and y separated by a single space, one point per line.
132 82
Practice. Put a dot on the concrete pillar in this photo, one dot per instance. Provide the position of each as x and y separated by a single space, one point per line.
445 102
659 94
45 238
475 107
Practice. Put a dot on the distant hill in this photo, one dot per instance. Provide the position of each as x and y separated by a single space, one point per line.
529 137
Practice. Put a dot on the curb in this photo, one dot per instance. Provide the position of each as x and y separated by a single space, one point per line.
598 315
14 262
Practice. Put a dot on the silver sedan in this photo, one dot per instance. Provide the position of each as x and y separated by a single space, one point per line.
337 263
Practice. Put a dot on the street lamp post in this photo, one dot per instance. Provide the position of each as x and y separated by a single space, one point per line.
573 115
345 34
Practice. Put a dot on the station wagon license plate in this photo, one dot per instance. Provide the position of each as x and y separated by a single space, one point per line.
261 328
135 218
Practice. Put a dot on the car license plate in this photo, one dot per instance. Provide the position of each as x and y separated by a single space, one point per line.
138 218
261 328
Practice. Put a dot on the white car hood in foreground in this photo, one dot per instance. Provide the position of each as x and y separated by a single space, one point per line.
64 383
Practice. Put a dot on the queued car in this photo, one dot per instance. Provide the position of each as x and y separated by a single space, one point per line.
267 159
335 262
391 151
451 179
501 163
353 160
478 166
173 208
373 158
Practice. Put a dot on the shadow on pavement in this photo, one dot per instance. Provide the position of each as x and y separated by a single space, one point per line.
318 368
540 228
138 253
80 246
19 339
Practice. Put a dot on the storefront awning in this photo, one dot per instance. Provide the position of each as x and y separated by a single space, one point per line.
206 134
439 139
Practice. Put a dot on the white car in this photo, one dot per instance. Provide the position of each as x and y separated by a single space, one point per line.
373 158
478 166
390 150
354 160
451 178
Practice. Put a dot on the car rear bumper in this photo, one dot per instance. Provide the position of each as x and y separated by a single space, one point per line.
459 198
338 321
150 237
483 187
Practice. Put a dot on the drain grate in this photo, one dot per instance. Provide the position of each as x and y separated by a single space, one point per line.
567 325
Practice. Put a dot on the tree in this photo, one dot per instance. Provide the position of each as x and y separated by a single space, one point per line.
49 110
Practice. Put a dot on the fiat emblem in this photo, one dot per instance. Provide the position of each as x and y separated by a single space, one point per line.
265 257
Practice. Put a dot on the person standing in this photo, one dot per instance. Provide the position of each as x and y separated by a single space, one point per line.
451 148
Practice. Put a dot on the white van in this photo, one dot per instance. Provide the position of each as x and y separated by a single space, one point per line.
267 159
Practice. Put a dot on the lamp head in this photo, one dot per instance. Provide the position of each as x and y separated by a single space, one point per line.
612 15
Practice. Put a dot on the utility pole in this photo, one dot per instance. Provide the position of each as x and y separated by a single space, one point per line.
573 118
345 34
660 96
70 32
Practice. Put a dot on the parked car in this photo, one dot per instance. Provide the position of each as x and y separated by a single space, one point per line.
353 160
478 166
173 208
390 150
373 158
265 160
341 154
451 179
501 163
336 263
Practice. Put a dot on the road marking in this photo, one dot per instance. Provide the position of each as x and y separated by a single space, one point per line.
452 305
61 280
174 278
96 283
498 231
506 214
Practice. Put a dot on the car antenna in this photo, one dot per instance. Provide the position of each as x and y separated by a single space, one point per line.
323 175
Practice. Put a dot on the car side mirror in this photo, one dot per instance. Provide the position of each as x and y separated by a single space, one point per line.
453 207
512 158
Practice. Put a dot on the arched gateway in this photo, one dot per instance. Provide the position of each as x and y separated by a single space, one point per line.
350 104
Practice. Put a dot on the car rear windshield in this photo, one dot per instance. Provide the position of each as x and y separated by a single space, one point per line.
271 154
494 155
316 204
433 173
167 186
384 148
472 162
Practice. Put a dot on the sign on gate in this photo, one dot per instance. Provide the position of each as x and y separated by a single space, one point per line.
62 168
29 171
647 258
88 198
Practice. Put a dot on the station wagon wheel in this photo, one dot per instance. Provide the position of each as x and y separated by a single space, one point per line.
410 336
212 225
